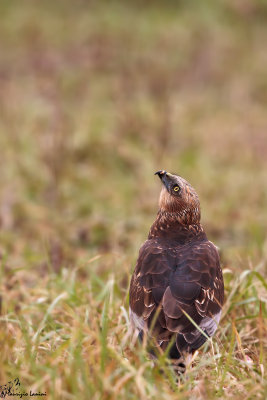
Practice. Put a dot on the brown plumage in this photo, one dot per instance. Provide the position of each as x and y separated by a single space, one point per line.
177 273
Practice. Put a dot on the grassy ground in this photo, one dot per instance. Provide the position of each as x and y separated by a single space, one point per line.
95 97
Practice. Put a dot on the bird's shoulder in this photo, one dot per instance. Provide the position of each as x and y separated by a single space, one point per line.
157 255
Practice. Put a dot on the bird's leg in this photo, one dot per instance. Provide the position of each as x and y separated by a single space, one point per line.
179 365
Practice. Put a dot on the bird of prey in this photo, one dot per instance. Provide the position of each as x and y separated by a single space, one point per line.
177 289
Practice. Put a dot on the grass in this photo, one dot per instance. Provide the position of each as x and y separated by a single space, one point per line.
95 98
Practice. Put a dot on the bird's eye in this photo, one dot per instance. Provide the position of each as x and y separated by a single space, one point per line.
176 188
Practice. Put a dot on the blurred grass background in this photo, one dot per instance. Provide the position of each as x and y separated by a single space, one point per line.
95 97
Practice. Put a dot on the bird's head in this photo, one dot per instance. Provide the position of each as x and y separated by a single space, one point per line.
179 198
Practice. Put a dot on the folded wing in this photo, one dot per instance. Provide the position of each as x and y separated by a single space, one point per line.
177 283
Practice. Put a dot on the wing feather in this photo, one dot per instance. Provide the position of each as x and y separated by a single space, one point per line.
179 279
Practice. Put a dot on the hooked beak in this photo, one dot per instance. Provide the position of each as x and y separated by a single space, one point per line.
165 177
160 173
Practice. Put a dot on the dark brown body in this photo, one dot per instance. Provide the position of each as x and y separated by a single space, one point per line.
177 273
